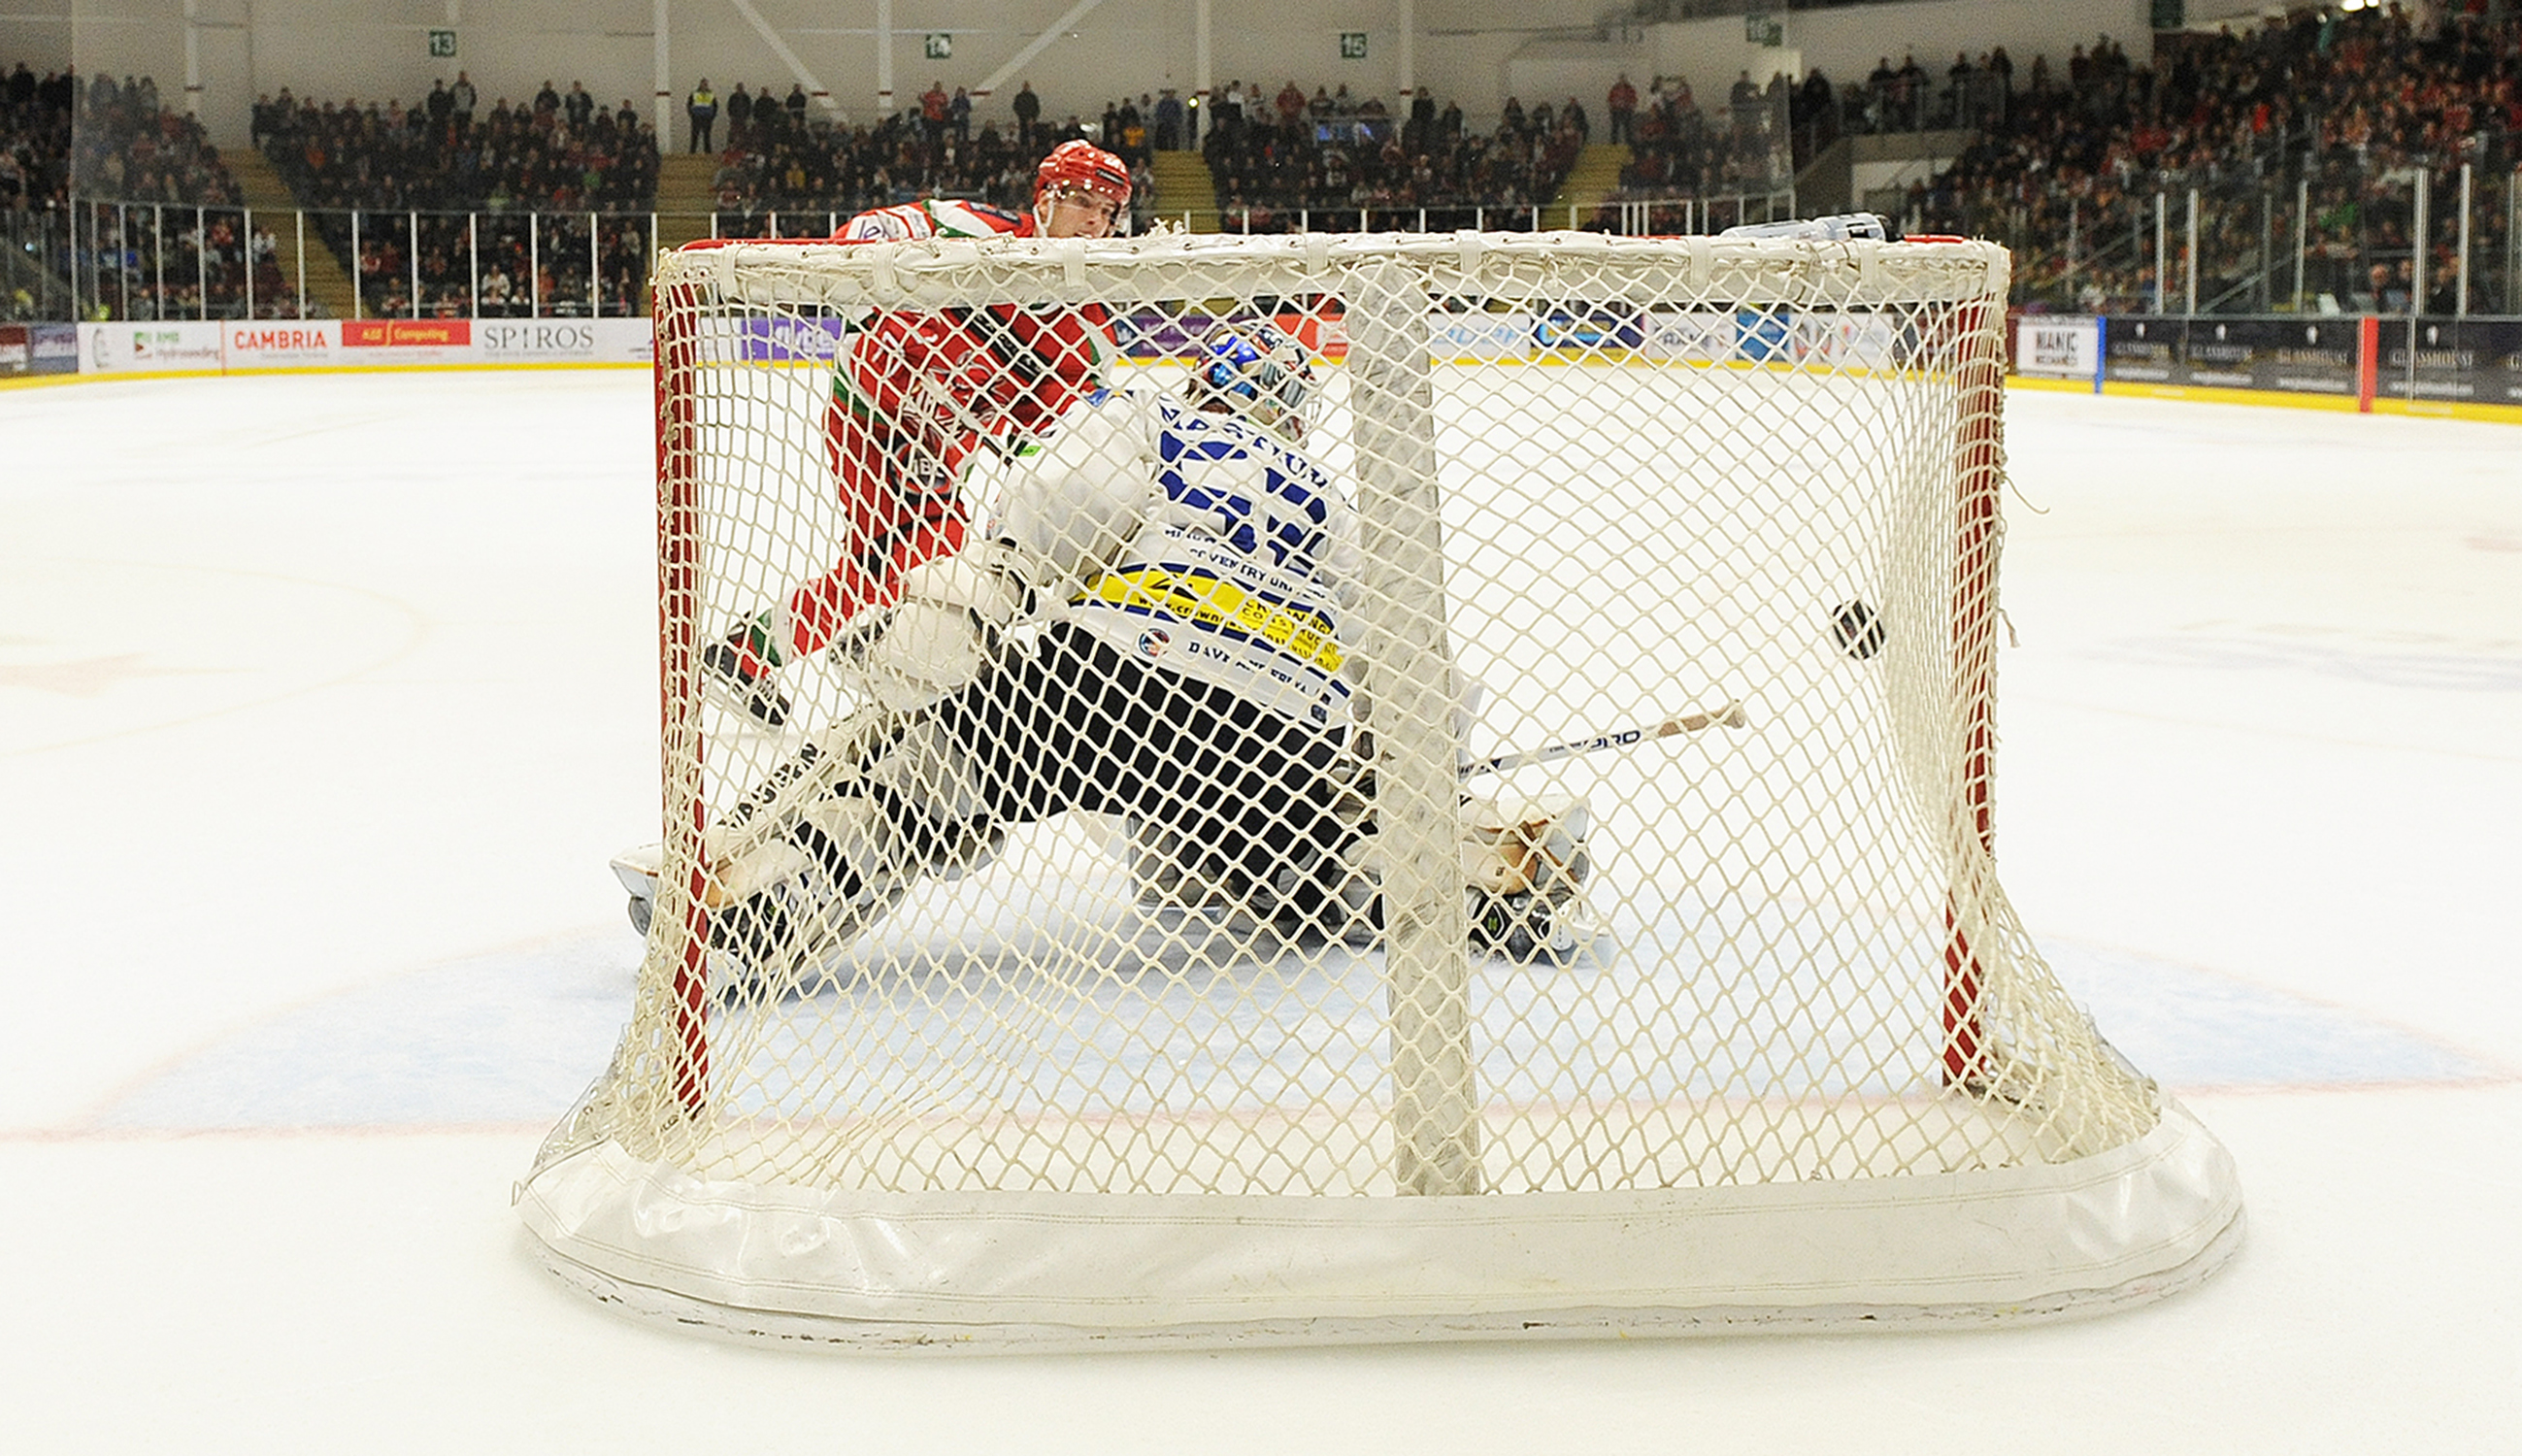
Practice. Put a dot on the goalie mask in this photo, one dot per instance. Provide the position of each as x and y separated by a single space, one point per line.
1253 370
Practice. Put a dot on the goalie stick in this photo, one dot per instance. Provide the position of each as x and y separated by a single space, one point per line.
1729 716
818 765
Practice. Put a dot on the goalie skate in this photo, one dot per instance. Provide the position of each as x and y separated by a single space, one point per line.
808 861
772 940
749 687
1524 866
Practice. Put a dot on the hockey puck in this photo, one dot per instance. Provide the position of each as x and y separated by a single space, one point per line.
1857 630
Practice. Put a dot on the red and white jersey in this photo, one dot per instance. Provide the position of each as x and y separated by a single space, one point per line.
934 218
914 393
938 384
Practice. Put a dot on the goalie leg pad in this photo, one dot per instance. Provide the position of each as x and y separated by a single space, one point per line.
1525 863
840 862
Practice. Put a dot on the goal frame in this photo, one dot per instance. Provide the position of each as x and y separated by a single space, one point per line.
881 1269
1979 465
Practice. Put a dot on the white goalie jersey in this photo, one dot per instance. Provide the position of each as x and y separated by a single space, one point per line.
1224 555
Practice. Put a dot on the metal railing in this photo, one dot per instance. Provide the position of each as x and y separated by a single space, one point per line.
164 262
156 260
2324 240
2329 238
1638 216
35 278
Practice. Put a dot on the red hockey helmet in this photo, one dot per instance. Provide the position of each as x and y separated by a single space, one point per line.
1084 166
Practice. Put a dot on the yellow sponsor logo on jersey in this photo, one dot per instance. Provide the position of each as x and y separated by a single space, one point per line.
1194 597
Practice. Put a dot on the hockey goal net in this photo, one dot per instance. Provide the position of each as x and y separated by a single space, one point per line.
1663 980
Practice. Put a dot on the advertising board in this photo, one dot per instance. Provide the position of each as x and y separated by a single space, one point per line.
2286 355
2058 347
1480 336
789 339
2448 361
1157 333
1588 327
282 343
1846 340
372 342
1701 338
539 341
2463 360
149 347
55 348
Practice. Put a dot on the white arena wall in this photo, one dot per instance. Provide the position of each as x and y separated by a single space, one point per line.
1475 52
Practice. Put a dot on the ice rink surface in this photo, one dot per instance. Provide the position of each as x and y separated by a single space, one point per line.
324 699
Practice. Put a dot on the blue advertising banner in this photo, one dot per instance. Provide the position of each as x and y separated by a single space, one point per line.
1586 326
785 339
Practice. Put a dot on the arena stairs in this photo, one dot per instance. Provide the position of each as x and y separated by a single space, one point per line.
1185 192
328 289
1588 185
684 200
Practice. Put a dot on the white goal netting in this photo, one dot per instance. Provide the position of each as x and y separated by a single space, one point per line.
1376 787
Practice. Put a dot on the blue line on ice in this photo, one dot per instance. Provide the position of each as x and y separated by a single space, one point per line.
512 1038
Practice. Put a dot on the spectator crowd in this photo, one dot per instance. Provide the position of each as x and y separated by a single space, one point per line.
428 170
1330 162
1277 160
555 151
2343 110
167 239
1676 150
781 170
35 190
35 140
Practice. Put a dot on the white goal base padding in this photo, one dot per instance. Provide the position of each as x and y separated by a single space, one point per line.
1009 1271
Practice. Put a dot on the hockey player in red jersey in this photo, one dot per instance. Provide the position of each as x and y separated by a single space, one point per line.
913 396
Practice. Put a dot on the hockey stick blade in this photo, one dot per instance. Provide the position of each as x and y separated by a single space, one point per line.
1730 715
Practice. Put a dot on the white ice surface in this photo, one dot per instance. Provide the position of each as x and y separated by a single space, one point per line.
323 700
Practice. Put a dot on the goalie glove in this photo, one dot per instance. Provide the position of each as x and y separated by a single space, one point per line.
1839 229
951 614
